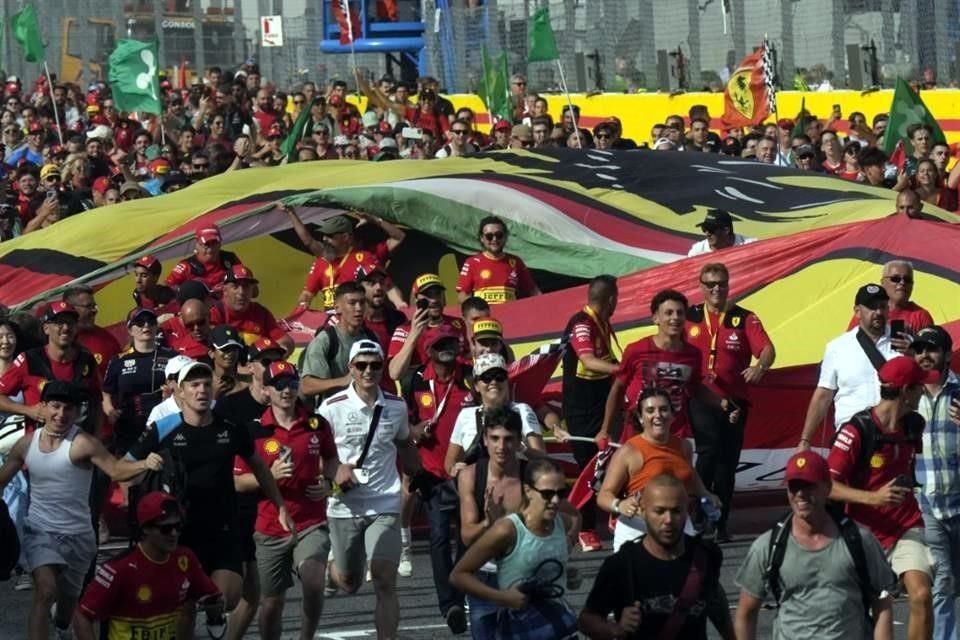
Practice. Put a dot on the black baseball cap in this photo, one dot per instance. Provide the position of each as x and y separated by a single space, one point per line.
872 296
716 219
935 336
223 336
192 290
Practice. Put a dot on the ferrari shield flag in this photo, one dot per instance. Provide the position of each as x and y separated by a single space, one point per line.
747 97
348 20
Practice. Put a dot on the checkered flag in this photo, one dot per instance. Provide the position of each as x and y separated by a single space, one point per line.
769 74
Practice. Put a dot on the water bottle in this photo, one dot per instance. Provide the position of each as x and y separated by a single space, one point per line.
712 513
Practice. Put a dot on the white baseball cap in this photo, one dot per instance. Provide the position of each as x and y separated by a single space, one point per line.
487 362
190 368
365 348
174 365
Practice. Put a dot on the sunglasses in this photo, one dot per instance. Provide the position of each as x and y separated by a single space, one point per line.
143 323
489 343
200 166
899 279
602 136
498 235
169 528
285 383
459 132
362 366
497 375
298 102
549 494
715 284
196 324
520 84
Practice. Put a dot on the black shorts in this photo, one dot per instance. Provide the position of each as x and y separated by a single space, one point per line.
245 528
218 546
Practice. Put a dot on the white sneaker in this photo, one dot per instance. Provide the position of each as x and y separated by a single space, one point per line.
23 582
59 634
405 568
368 577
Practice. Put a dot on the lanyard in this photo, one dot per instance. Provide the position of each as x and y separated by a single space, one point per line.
606 331
438 408
712 358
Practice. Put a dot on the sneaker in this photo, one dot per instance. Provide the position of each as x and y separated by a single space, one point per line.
330 588
456 619
589 541
23 582
405 568
58 633
216 625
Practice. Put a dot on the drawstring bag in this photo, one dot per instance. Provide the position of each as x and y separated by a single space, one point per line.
547 616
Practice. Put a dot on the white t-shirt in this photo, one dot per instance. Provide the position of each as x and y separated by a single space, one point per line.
847 370
702 247
349 417
465 428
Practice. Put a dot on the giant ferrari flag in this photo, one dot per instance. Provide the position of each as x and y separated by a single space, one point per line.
748 97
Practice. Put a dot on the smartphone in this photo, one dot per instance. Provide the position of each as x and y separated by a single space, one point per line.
51 194
897 327
412 133
422 303
285 453
905 481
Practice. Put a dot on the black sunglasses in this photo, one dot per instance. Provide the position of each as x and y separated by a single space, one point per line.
899 279
602 136
170 527
549 494
497 235
286 382
711 284
497 375
144 322
363 365
459 132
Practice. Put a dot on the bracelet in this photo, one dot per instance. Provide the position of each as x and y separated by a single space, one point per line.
807 440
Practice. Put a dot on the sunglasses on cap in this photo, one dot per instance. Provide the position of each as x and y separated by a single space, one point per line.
361 366
497 375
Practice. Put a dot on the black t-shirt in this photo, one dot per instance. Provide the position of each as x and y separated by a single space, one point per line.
207 454
135 380
242 409
633 574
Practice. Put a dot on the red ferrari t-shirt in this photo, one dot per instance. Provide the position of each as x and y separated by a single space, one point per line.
101 344
420 356
310 441
677 372
325 275
165 302
889 460
178 337
252 323
439 402
19 378
496 280
727 342
913 315
137 597
427 121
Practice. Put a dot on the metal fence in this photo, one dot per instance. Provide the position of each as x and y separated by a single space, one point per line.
606 45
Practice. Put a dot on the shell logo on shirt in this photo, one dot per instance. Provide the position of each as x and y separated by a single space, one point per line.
271 446
426 400
144 594
485 274
694 332
876 461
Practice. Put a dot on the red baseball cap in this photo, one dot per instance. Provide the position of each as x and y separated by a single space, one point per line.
443 332
904 372
156 505
785 123
503 125
101 184
159 166
59 308
35 127
263 345
239 273
279 369
148 262
808 466
209 234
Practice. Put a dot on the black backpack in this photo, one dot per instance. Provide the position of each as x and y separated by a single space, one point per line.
9 543
852 537
171 478
871 438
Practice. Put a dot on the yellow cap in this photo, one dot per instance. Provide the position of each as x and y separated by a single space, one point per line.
425 281
49 170
488 325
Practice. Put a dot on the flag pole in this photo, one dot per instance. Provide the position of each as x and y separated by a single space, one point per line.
353 48
573 114
56 114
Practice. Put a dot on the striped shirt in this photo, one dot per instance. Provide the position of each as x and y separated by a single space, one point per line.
938 466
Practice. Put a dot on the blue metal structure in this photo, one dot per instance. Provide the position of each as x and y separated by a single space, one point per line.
405 38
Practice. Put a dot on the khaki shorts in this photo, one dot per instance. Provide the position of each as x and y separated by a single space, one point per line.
364 537
278 558
73 554
910 553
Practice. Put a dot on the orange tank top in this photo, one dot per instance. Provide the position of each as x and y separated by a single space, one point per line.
657 460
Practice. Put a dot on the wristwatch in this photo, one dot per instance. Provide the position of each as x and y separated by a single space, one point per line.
616 506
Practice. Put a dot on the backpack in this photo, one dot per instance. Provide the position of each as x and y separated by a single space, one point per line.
850 533
84 368
871 438
171 478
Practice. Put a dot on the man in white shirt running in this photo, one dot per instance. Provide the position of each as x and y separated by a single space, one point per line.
371 429
718 228
848 373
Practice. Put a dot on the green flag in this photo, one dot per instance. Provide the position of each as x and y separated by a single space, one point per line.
801 122
26 31
133 76
542 44
494 86
289 144
907 109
